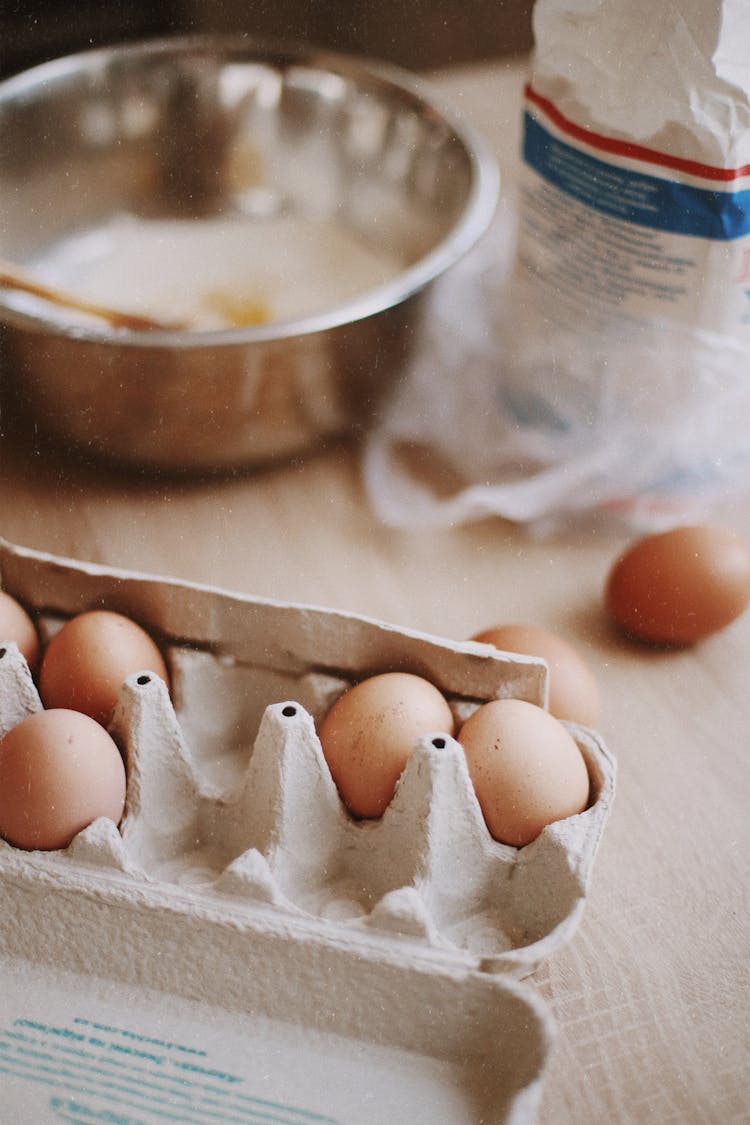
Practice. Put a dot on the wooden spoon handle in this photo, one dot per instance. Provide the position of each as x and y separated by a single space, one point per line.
13 277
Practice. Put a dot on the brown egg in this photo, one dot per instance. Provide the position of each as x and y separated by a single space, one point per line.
370 732
17 626
677 587
526 769
59 771
85 663
573 690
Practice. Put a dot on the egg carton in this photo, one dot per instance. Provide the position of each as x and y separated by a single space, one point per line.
237 878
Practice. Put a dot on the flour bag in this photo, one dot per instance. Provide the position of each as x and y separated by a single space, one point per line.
592 356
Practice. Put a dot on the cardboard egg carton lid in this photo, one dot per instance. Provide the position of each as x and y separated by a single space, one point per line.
239 884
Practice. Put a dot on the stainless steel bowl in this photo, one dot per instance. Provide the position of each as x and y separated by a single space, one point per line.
153 131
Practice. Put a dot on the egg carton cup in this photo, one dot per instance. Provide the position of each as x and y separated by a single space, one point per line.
238 878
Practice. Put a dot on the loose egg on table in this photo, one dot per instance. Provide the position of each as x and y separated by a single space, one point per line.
526 769
370 732
59 771
679 586
573 690
16 625
86 662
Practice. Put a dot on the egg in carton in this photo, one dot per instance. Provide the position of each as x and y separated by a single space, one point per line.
237 877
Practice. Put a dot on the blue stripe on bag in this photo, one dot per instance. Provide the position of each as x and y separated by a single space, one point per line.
649 201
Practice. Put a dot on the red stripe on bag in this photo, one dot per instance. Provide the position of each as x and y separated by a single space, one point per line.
632 151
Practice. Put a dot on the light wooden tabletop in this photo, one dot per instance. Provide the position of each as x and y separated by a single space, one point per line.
652 997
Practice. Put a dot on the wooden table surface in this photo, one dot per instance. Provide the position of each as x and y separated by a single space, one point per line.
652 997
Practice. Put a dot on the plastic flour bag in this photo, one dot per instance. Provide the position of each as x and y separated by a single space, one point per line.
593 354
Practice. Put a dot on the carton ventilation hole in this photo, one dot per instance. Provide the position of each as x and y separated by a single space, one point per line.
2 652
289 711
143 680
439 743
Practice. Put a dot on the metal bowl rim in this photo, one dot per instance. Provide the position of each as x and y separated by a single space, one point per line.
471 225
